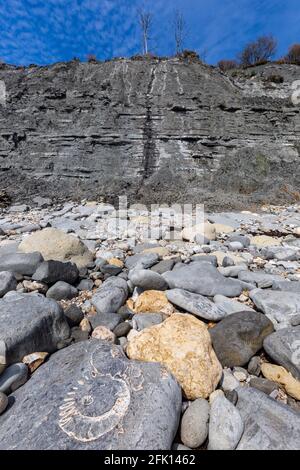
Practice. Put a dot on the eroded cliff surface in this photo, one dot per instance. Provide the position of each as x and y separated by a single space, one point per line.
156 130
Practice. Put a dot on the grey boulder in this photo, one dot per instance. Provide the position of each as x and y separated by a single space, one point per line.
7 282
287 286
238 337
202 278
22 263
30 323
196 304
269 425
142 260
52 271
283 347
91 397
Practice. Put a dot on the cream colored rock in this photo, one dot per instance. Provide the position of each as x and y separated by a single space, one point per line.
221 228
159 250
152 301
35 360
214 395
263 241
103 333
183 345
32 286
207 230
85 325
297 231
55 244
281 376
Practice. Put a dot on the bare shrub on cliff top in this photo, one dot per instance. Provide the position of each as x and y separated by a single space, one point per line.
179 25
258 52
145 21
293 55
226 65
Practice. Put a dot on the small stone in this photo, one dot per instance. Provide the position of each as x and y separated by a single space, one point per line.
34 286
228 381
225 425
116 262
7 282
52 271
145 320
85 285
227 262
194 424
240 374
111 270
104 334
61 291
3 402
231 396
109 320
254 366
281 376
147 280
35 360
74 315
264 385
85 326
13 377
153 301
262 241
78 335
122 329
235 246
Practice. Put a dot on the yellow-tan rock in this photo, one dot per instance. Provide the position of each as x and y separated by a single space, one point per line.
116 262
281 376
221 228
263 241
183 345
57 245
153 301
34 360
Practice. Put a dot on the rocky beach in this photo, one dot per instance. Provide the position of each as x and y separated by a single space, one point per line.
185 340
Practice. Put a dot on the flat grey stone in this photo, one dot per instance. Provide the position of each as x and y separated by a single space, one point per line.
85 284
22 263
163 266
197 304
194 424
205 259
279 306
111 295
225 425
8 282
259 279
142 260
89 396
269 425
232 271
30 323
231 306
13 377
283 347
238 337
204 279
264 385
61 291
141 321
147 279
109 320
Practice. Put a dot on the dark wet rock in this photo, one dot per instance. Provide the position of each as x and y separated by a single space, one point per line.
238 337
52 271
22 263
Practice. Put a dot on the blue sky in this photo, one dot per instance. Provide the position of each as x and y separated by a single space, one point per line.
42 32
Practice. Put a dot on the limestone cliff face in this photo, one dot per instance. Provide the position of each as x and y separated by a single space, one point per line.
157 130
